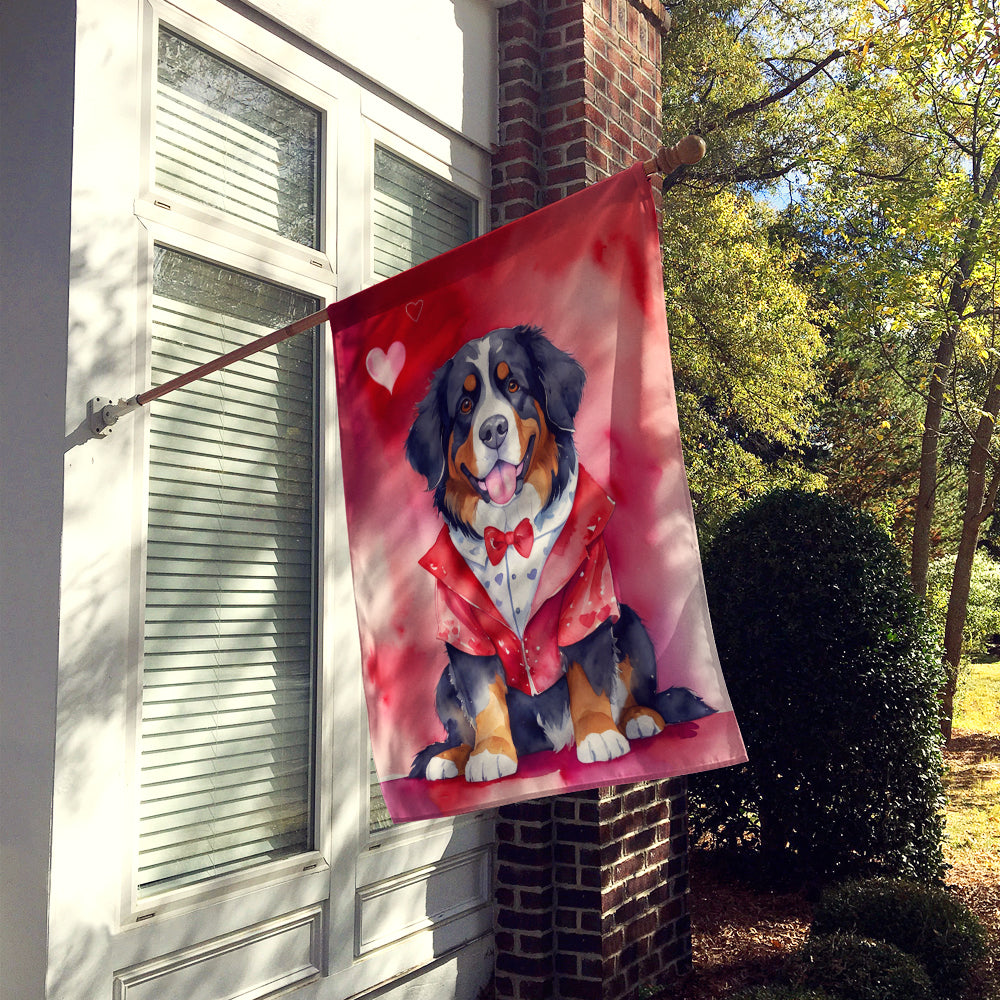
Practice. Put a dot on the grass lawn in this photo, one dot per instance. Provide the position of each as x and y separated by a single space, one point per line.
973 782
973 811
978 699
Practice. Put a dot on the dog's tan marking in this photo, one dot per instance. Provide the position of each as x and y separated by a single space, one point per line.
590 711
493 724
632 711
470 383
526 430
459 756
464 455
503 370
496 745
459 495
625 673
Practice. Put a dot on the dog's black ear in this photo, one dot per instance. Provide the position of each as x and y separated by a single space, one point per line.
425 444
561 374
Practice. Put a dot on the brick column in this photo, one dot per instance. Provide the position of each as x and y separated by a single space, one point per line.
524 901
591 888
621 884
579 96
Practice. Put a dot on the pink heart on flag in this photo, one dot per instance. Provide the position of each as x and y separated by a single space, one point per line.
385 366
414 309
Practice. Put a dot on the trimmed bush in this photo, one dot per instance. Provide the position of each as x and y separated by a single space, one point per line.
833 672
925 922
856 968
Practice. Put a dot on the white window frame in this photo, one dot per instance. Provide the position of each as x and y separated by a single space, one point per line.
180 224
351 873
388 858
183 241
385 126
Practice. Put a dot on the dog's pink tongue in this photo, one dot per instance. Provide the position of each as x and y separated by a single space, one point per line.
501 482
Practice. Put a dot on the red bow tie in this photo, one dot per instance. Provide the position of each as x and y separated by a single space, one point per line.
522 538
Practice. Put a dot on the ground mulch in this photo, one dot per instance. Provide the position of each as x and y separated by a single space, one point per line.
742 934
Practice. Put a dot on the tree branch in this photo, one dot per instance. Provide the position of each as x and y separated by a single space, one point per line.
754 106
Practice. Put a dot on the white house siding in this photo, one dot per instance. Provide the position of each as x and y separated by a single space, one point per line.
429 53
34 271
77 228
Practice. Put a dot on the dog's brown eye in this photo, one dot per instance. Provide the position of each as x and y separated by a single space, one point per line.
512 385
466 405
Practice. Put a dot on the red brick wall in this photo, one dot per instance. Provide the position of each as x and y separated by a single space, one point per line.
591 888
591 893
579 96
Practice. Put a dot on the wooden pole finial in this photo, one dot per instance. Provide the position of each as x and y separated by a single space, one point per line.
668 158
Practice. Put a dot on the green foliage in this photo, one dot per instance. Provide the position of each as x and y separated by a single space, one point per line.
877 126
868 424
782 993
745 344
833 673
904 192
856 968
739 73
746 354
924 921
983 617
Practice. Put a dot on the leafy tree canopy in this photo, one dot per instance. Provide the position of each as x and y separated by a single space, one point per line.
874 127
747 355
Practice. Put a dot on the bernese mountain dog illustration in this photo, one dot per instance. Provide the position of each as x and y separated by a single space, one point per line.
540 652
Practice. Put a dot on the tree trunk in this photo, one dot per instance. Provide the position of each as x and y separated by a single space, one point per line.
920 553
958 299
980 498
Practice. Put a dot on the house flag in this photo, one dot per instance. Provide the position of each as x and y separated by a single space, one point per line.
527 579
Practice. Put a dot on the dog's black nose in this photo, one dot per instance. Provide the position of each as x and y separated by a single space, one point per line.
493 431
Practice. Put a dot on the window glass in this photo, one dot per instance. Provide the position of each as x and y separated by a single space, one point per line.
225 139
228 680
416 215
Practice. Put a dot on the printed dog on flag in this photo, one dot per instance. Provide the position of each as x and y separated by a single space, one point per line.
540 652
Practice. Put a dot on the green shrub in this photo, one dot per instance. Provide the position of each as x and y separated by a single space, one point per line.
856 968
982 618
833 672
925 922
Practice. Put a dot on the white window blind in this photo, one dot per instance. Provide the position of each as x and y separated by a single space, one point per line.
230 141
228 674
416 216
228 658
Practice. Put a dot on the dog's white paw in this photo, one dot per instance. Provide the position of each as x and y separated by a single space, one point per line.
486 766
642 726
439 768
601 746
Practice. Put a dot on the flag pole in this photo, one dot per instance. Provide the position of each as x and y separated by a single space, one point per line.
687 152
103 413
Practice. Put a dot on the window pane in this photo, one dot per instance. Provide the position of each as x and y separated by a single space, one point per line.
416 217
228 658
228 140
